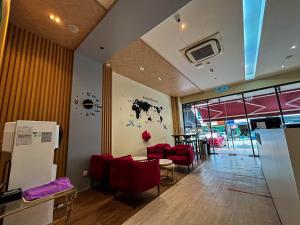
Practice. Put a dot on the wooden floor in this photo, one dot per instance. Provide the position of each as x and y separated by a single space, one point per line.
224 190
93 207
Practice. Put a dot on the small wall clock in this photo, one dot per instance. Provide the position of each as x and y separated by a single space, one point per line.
87 104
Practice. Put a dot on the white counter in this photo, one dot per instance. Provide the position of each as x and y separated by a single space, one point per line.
280 157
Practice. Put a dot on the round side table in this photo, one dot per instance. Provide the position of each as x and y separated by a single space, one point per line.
139 158
168 165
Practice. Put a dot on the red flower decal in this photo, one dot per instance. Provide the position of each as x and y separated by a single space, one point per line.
146 136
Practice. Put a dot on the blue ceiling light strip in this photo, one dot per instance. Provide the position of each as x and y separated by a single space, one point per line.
253 16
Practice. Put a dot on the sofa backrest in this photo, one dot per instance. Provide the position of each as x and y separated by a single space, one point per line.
158 148
99 166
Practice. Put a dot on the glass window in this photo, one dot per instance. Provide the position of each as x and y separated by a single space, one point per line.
225 121
262 103
202 116
189 118
289 97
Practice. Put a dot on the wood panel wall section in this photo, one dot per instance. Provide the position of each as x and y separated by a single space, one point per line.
35 84
175 115
106 131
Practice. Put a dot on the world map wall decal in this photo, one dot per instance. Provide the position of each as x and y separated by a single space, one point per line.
145 112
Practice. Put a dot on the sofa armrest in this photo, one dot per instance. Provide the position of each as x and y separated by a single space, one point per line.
98 166
121 175
145 175
190 154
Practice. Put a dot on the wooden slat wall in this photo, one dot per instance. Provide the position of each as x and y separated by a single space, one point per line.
175 115
35 84
106 131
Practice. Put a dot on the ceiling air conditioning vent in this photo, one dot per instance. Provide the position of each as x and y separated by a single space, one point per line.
202 50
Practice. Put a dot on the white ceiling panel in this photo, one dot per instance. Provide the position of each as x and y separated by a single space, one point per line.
204 18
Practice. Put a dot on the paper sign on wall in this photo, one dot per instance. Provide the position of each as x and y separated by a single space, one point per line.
24 135
46 137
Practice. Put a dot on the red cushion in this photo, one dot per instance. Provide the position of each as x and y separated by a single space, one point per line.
169 151
134 177
159 148
179 160
184 155
181 149
155 156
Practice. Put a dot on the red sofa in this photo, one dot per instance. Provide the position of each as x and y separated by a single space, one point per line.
99 169
157 151
217 141
181 155
133 177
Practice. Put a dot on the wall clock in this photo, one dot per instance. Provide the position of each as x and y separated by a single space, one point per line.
87 104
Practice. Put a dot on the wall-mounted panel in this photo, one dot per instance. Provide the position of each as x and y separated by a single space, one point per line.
35 84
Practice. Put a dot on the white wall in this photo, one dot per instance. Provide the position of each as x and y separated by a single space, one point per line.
127 139
85 131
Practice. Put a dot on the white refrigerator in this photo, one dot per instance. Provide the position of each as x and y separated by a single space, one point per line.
32 145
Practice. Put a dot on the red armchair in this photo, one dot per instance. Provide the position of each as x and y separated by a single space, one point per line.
183 155
99 169
133 177
157 151
217 141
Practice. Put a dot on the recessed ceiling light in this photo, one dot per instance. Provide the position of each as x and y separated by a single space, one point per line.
293 47
183 26
141 68
159 78
54 18
282 66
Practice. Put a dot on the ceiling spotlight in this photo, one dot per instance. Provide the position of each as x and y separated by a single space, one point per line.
183 26
282 66
54 18
141 68
293 47
159 78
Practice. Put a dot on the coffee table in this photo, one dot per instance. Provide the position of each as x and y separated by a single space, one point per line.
139 158
167 165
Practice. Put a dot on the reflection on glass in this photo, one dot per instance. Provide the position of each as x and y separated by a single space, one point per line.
189 118
289 97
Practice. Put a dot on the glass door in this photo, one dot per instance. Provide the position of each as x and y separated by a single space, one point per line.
261 104
230 127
